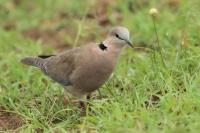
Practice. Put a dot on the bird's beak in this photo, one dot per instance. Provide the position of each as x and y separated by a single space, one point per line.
129 43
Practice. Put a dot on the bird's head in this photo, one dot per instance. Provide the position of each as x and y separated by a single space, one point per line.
120 36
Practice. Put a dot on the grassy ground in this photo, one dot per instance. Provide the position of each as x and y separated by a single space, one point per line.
143 95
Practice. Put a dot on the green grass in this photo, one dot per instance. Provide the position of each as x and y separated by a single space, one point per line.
141 96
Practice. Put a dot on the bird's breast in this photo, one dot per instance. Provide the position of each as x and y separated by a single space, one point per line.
94 69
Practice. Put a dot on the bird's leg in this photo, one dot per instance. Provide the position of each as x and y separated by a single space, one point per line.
88 97
82 105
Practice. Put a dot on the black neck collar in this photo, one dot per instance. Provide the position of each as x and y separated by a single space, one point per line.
102 46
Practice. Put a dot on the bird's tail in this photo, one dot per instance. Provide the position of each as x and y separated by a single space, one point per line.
33 61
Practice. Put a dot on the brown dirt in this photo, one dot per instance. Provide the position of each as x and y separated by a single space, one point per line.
9 121
9 26
54 38
153 99
99 12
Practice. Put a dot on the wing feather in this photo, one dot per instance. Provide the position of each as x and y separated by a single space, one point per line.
61 66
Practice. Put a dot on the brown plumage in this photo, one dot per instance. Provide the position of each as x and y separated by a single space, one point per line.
83 69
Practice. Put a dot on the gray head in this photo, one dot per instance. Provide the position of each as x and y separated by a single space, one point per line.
120 35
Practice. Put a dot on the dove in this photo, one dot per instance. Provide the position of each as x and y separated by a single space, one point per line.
84 69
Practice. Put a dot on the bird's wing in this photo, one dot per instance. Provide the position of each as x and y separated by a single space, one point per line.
61 66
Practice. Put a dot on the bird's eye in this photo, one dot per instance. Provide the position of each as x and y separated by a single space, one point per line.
116 35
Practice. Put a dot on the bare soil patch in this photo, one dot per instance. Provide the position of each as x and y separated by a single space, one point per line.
9 121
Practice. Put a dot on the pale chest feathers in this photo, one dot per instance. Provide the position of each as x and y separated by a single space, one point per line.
93 73
101 64
101 61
